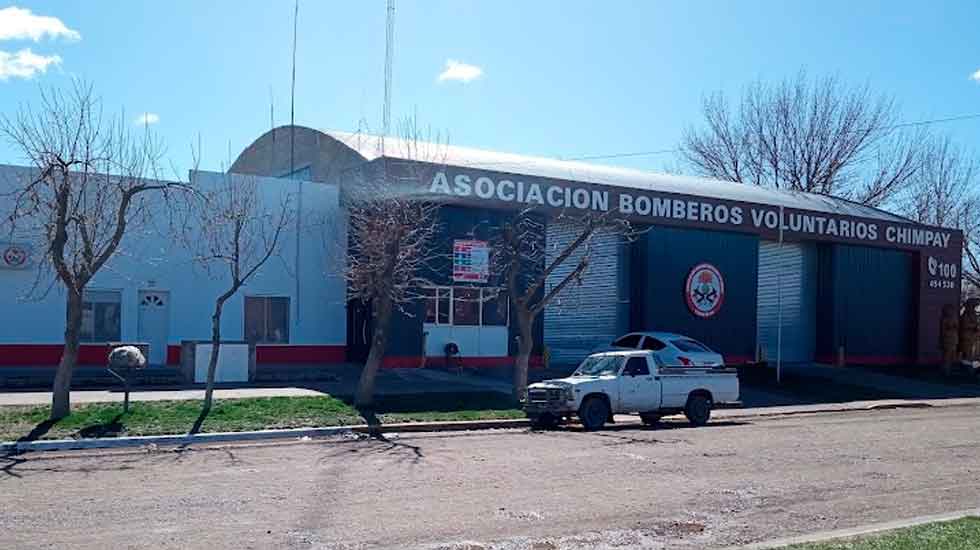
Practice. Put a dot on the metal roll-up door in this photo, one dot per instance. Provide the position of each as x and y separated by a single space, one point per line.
794 267
588 315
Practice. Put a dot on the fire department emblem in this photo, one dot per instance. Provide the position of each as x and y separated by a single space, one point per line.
704 290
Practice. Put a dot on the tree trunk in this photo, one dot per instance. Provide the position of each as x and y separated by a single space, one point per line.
213 360
364 400
525 345
60 392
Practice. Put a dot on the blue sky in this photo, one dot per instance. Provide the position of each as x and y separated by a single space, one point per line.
569 78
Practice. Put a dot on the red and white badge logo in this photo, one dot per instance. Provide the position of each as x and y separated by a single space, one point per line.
13 256
704 290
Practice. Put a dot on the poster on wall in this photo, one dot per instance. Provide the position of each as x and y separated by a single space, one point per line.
15 256
471 261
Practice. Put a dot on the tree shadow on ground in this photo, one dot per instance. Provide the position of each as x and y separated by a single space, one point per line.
11 462
375 433
196 428
38 431
440 402
17 464
112 428
633 426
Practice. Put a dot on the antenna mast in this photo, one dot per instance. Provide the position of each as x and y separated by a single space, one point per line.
389 53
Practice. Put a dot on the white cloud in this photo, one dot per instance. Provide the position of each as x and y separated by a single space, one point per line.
147 118
975 76
25 64
20 24
460 72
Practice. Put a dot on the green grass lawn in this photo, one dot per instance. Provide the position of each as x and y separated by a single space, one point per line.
227 415
963 534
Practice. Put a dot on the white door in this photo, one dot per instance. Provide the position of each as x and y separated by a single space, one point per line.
154 322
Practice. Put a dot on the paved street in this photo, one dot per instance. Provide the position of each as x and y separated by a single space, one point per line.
674 487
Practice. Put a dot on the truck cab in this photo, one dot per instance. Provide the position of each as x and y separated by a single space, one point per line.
633 381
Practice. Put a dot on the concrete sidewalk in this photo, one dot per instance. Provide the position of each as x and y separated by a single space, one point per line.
103 396
893 384
389 383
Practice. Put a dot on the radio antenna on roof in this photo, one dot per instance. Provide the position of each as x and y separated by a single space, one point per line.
389 53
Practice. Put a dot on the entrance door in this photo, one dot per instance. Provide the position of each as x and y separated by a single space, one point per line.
359 330
154 322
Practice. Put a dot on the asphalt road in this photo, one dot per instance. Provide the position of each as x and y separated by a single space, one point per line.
673 487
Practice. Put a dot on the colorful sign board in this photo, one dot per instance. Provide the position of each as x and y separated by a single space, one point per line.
471 261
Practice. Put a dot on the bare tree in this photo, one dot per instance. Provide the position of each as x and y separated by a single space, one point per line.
92 180
390 250
236 232
525 265
817 135
390 236
944 193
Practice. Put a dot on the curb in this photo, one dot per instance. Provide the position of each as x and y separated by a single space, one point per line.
874 528
839 408
16 447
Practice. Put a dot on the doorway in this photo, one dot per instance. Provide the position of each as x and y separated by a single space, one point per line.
154 323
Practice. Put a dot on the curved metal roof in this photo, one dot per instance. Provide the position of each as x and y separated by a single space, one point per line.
369 147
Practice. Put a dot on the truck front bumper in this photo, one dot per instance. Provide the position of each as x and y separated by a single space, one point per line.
557 408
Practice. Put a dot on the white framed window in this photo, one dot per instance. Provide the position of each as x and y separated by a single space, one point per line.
101 315
267 319
465 306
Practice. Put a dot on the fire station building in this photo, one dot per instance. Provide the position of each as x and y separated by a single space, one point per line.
735 266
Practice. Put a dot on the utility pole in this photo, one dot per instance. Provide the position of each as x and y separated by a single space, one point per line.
779 303
292 159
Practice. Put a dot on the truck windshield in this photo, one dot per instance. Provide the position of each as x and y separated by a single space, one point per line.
596 365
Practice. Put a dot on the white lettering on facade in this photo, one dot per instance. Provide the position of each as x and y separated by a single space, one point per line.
505 195
534 194
642 205
484 187
555 198
580 199
682 210
462 183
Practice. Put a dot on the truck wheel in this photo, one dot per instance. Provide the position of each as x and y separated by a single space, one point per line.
544 421
593 414
650 419
698 409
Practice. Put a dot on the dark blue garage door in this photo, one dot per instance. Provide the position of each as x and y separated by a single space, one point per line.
661 262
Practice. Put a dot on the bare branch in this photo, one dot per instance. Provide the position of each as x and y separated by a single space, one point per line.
812 135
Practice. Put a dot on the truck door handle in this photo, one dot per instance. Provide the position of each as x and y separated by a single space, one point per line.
656 378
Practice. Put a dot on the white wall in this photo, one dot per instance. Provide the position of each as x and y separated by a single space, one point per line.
153 258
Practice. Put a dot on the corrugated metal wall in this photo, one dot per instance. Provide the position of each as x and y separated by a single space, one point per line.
865 302
589 315
794 268
663 258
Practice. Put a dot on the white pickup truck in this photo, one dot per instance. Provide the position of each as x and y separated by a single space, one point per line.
633 381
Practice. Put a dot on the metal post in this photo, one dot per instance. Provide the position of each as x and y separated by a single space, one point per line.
129 371
779 303
292 161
